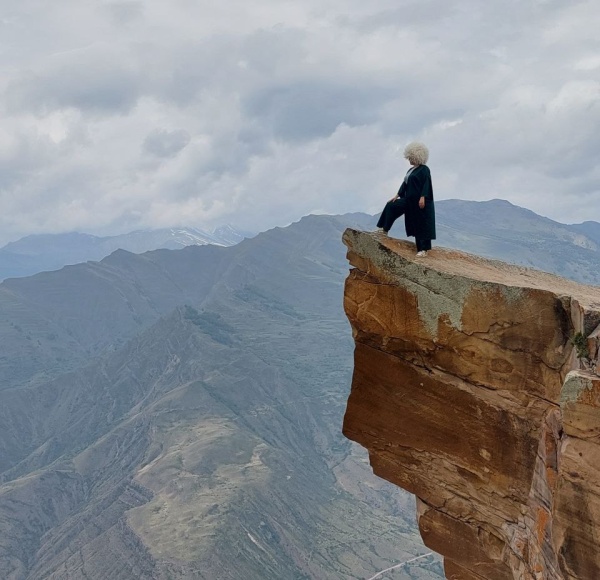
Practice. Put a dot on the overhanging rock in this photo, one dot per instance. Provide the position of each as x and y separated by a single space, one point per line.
467 392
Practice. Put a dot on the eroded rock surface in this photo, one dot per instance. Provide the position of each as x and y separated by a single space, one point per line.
468 393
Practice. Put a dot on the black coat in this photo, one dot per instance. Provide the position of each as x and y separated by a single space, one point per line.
419 222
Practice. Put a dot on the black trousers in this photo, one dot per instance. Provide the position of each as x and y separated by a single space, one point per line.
423 244
391 212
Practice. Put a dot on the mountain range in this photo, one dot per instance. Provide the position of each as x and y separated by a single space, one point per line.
495 229
42 252
177 413
499 229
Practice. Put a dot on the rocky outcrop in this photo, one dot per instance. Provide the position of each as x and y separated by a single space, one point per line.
468 392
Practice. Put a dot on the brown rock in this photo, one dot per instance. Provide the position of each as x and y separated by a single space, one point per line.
465 393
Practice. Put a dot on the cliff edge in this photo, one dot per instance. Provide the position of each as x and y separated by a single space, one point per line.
467 391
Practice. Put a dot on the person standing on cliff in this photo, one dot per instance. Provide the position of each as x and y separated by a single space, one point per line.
414 200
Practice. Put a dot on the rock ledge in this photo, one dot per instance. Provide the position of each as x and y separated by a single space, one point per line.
468 393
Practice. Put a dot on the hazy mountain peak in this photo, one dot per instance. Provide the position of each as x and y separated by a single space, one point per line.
43 252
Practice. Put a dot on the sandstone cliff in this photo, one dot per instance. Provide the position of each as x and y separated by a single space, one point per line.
467 392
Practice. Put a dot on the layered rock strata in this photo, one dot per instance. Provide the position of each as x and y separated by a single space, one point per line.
467 391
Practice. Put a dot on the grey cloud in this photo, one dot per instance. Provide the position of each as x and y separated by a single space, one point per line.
417 12
272 52
227 160
309 110
27 154
95 81
124 12
222 63
255 137
164 143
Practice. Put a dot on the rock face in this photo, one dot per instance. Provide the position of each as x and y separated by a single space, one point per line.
467 392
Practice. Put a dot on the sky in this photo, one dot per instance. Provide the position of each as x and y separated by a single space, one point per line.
121 115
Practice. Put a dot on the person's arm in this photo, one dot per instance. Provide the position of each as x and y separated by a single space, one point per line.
426 190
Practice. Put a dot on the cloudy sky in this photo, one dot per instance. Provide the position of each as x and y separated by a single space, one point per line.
131 114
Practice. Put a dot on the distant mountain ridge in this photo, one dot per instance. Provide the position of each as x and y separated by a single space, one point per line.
498 229
495 229
45 252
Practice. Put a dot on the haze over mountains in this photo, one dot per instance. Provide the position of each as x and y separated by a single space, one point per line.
177 414
38 253
499 229
496 229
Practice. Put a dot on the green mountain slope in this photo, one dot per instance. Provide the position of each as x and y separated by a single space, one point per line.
202 437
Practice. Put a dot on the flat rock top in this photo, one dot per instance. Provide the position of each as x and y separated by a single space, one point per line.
484 269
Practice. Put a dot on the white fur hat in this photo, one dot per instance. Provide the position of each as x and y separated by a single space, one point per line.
416 153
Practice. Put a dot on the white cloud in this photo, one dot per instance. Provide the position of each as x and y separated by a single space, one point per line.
119 115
